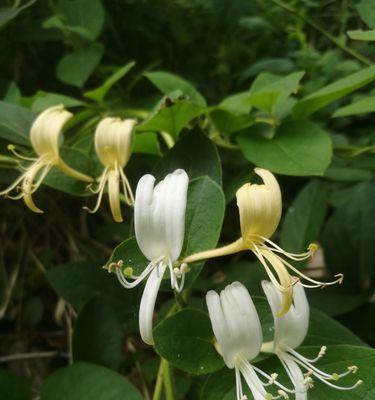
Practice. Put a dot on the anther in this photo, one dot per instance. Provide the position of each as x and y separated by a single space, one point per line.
353 369
128 272
283 394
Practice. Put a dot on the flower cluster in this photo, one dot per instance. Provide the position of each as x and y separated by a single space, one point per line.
159 221
113 138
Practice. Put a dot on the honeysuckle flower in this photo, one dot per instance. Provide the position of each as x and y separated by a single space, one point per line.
290 331
260 212
45 137
113 138
159 219
238 334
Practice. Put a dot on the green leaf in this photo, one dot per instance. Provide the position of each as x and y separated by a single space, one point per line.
236 103
75 68
298 148
15 123
227 122
146 143
195 153
83 381
319 99
186 340
79 282
87 14
9 13
13 387
305 217
77 160
171 119
97 335
99 93
43 100
349 236
363 106
359 34
204 217
366 10
167 83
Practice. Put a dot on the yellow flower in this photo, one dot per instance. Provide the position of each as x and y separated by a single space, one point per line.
45 137
260 212
113 138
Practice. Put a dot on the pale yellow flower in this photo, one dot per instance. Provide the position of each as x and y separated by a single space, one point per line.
113 139
260 212
45 137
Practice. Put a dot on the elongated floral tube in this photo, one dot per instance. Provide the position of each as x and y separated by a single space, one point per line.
159 221
290 332
238 333
260 208
113 139
45 137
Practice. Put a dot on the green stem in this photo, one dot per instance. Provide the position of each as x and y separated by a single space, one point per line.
159 383
327 34
168 380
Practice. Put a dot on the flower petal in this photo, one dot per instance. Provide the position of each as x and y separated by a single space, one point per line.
290 329
296 376
146 309
259 206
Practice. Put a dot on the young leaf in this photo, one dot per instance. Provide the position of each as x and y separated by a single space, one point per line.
298 148
359 34
363 106
319 99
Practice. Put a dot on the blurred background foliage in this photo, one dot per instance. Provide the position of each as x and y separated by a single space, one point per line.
104 57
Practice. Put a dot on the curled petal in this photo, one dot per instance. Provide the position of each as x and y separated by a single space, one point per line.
259 206
146 309
114 194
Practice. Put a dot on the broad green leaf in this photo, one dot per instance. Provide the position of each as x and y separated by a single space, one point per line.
79 282
349 236
99 93
84 381
204 217
147 143
9 13
15 123
363 106
236 103
366 10
77 160
305 217
298 148
97 335
167 82
359 34
13 387
43 100
171 119
319 99
347 174
87 14
195 153
227 122
221 385
186 340
75 68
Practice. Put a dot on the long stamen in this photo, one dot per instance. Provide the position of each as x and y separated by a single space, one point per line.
36 185
359 382
239 390
339 277
272 380
321 354
128 193
12 149
100 191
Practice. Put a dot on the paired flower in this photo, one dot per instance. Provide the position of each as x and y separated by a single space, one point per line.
290 331
45 137
159 218
113 138
238 333
260 212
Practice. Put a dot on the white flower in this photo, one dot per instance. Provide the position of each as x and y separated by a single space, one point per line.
159 218
113 138
238 332
260 211
290 331
45 137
